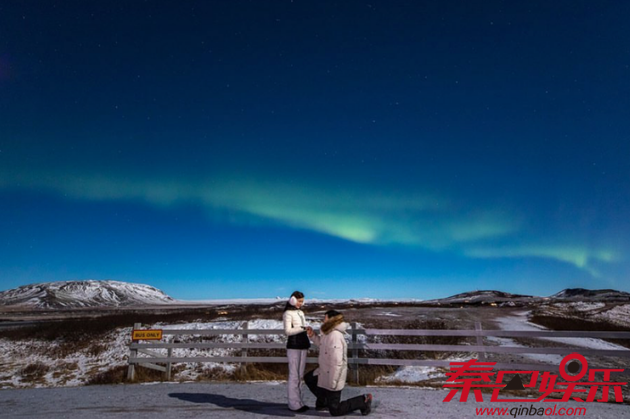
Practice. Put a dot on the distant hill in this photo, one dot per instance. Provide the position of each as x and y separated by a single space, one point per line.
483 297
79 294
493 297
94 294
581 294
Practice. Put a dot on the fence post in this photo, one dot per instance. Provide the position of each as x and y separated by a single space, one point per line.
245 340
131 371
169 364
482 354
355 352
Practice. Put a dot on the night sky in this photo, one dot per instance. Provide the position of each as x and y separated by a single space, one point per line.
385 149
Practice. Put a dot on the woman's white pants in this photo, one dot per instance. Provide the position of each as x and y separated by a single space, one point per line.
297 363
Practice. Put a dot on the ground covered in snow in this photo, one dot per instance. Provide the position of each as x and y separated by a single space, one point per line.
518 321
611 313
38 363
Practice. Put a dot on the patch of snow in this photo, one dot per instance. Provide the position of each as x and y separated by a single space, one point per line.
519 322
617 315
413 374
584 306
389 314
543 358
416 374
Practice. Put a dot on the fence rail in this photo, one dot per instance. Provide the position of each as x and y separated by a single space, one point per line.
151 359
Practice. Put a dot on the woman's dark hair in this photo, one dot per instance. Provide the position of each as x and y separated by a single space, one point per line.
296 294
332 313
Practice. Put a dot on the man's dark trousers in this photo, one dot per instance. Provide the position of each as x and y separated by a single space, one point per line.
332 399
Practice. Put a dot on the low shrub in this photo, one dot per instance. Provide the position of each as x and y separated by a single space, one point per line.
34 371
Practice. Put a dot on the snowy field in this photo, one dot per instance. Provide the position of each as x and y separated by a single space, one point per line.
76 368
518 321
617 314
38 364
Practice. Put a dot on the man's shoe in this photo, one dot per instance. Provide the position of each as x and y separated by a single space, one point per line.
368 405
321 408
300 410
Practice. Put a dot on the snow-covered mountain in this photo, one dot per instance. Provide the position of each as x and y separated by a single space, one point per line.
89 293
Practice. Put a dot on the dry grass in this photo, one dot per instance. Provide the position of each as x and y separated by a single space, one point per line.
115 375
65 370
215 374
261 372
35 369
369 374
118 375
95 349
79 330
34 372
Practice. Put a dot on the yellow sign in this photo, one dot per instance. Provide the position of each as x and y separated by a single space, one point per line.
147 334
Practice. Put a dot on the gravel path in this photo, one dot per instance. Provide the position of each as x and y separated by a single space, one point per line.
215 400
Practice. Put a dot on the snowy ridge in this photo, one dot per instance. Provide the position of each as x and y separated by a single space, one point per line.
482 297
591 295
88 293
485 297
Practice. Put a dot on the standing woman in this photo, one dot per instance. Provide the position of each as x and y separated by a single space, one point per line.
297 347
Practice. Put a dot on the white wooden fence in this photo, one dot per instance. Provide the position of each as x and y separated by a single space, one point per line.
144 353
